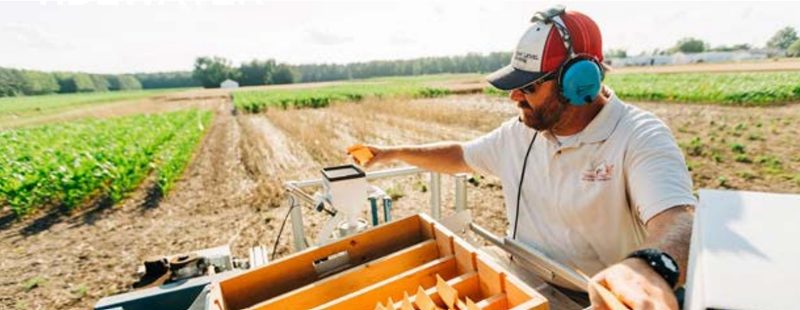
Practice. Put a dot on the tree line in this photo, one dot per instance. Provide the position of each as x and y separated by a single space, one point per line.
785 39
15 82
209 72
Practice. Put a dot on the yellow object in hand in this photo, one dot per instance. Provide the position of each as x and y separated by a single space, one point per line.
361 153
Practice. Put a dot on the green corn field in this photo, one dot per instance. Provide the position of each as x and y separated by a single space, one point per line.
71 164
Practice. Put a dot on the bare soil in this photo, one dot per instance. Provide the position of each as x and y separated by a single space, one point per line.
231 192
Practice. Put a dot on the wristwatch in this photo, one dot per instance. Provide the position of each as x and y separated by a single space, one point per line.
663 264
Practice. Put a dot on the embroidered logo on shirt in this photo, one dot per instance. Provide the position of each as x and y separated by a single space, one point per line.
598 172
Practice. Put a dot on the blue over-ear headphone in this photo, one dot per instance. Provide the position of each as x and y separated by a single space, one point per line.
579 76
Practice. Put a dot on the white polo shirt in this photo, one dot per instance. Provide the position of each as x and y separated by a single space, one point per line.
585 202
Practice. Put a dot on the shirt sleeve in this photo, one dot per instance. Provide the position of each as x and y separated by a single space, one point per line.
481 154
656 171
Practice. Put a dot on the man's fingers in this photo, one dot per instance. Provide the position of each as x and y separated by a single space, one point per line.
630 295
597 301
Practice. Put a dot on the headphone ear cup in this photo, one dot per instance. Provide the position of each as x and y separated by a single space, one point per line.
580 81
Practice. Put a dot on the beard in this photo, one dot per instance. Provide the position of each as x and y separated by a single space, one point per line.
542 118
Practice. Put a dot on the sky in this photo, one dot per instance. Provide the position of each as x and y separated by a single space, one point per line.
165 36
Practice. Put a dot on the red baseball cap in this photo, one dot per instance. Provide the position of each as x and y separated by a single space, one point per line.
541 50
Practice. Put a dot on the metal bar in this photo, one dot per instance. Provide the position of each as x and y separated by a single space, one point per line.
298 193
395 172
436 195
486 234
461 192
533 255
297 223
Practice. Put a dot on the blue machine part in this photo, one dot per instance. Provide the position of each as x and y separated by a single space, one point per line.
387 210
373 208
176 295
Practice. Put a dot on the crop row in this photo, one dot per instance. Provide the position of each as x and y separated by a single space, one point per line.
71 164
27 105
740 88
257 101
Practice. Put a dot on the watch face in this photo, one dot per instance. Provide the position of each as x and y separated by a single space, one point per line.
668 263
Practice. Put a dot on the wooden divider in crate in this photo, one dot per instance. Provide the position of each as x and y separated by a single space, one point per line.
386 263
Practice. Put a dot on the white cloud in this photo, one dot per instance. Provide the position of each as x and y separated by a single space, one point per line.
30 37
316 36
166 36
400 39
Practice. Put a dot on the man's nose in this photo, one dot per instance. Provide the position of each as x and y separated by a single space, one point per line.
517 95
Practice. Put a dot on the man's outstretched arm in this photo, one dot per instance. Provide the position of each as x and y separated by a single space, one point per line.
443 157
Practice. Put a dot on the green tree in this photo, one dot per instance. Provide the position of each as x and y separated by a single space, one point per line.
616 53
794 49
167 79
128 82
122 82
100 83
10 83
38 83
256 72
211 71
74 82
783 38
284 74
689 45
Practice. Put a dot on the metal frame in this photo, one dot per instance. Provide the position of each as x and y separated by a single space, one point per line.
294 190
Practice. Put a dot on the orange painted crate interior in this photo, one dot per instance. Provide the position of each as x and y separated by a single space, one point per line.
385 262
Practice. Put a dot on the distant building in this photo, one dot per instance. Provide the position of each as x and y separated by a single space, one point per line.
712 57
682 58
229 84
654 60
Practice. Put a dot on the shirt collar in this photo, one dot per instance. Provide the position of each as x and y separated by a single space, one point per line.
603 125
599 129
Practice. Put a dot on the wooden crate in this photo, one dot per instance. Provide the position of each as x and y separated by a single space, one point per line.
386 264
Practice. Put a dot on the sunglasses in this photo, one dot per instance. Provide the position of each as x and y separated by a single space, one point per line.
531 87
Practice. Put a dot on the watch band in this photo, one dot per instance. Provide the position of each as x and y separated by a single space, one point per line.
663 264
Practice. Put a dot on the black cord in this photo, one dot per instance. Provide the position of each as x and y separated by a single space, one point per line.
521 178
292 205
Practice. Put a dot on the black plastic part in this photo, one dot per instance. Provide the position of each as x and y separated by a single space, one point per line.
329 173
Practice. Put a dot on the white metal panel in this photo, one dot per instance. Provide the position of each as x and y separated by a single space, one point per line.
745 251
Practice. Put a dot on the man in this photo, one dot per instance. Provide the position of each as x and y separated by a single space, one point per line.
604 188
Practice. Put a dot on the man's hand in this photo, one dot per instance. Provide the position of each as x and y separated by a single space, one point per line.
379 155
636 285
